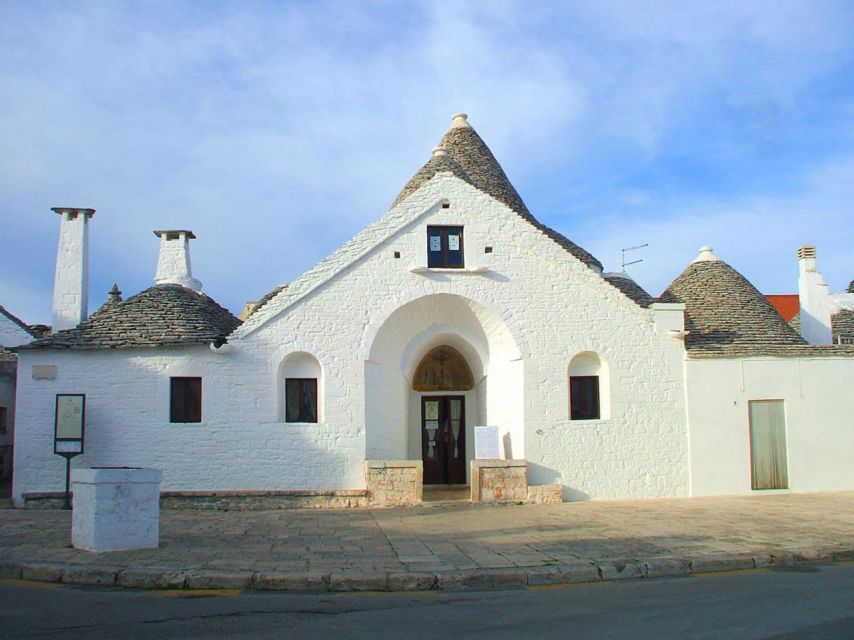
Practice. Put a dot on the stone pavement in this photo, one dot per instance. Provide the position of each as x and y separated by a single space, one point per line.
444 547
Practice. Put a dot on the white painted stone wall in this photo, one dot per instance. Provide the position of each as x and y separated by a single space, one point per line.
240 443
531 309
11 334
519 315
819 409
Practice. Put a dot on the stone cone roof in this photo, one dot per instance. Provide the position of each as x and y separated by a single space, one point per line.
267 297
726 316
114 298
164 315
629 288
436 164
471 160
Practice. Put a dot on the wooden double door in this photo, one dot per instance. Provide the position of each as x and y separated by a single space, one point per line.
443 439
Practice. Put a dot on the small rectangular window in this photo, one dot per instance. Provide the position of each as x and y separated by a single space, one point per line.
3 418
301 400
584 397
445 247
185 400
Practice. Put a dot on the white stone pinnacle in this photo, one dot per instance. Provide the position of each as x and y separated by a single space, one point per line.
460 121
706 255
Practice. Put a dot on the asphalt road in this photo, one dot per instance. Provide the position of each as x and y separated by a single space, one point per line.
806 601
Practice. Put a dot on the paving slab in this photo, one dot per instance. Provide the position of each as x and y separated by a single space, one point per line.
444 547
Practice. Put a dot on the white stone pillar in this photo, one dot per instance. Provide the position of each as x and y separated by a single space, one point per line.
814 299
71 282
173 264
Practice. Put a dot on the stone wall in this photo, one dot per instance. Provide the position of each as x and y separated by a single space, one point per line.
499 481
394 482
545 494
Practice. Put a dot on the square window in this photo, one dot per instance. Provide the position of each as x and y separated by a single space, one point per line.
185 400
445 247
301 400
584 397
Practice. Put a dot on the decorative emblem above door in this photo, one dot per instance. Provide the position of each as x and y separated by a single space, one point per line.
443 369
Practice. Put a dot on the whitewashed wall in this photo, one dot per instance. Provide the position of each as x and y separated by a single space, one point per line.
11 334
240 443
819 407
519 314
531 309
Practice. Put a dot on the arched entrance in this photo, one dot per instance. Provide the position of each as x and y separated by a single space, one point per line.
441 373
441 346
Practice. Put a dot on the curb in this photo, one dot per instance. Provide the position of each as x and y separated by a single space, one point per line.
452 580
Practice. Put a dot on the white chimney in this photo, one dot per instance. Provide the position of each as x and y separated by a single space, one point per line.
71 282
814 299
173 265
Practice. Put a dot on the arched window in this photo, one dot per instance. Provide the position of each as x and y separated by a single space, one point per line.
588 388
300 389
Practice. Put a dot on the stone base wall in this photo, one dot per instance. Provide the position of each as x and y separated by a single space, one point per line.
231 500
394 482
499 481
545 494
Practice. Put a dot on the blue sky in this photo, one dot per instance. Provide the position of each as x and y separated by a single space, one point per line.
276 130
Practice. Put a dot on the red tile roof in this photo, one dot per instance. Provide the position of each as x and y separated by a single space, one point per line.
786 304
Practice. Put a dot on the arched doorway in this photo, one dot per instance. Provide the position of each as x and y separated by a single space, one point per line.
442 377
396 345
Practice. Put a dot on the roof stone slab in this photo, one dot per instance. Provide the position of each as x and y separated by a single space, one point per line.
629 288
163 315
726 316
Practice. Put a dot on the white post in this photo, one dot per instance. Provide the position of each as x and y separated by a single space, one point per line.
71 282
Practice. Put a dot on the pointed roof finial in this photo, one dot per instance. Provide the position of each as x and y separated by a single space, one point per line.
706 255
460 121
115 295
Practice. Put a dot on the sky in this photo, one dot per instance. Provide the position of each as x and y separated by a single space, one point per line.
278 130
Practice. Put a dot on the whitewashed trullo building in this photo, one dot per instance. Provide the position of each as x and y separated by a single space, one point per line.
456 308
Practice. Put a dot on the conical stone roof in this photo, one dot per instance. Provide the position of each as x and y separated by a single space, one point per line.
725 315
629 288
468 158
163 315
441 162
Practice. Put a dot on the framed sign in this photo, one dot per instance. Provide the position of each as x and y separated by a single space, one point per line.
70 419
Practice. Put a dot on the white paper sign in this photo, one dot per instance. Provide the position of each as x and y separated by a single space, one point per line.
453 243
486 443
435 243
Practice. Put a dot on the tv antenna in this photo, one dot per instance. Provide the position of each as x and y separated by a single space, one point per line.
635 248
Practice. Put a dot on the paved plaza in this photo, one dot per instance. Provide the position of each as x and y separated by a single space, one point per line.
451 546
